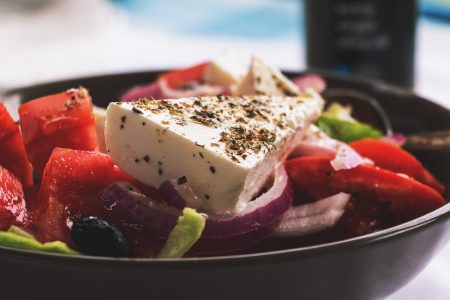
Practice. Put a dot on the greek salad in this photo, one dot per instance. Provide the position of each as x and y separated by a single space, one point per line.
213 159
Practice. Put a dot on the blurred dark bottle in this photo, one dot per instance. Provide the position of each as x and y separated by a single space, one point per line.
374 38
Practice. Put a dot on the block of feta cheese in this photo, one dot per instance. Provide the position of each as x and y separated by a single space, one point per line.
224 147
262 79
224 70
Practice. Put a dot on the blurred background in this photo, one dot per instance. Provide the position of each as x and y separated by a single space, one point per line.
46 40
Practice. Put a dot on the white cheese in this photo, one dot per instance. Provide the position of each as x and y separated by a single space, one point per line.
226 147
225 70
262 79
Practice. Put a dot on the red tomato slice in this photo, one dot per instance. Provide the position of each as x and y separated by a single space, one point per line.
391 157
60 120
407 197
31 197
12 149
363 216
178 78
12 201
71 182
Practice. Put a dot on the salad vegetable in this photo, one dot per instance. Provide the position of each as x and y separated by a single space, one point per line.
12 151
338 123
407 197
12 201
17 238
391 157
60 120
97 237
188 230
312 217
206 160
70 184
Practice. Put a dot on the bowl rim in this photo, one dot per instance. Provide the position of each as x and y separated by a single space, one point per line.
439 215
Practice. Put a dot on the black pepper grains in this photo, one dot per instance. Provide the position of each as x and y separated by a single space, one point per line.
182 180
136 110
240 120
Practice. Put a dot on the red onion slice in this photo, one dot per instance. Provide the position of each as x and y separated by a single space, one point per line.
312 217
318 143
151 90
179 194
231 244
161 90
158 219
199 90
139 212
311 81
308 225
261 212
396 139
346 158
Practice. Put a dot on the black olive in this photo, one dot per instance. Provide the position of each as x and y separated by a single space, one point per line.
97 237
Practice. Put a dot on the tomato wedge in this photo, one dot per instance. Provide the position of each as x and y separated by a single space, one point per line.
363 216
71 182
12 201
391 157
407 197
12 149
176 79
60 120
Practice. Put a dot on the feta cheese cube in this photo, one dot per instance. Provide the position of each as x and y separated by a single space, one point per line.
226 147
224 70
262 79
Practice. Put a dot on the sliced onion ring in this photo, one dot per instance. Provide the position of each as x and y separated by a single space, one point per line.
200 90
312 217
261 212
312 81
152 90
161 90
139 213
159 219
231 244
316 142
179 195
395 139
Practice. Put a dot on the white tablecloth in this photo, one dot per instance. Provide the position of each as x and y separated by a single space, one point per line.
75 38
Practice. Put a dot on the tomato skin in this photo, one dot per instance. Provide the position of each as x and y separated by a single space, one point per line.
12 149
70 185
72 138
12 201
177 78
392 157
407 197
60 120
31 196
363 216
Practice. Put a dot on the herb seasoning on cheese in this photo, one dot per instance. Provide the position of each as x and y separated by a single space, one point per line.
241 139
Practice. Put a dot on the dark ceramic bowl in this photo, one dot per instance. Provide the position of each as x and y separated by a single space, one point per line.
366 267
